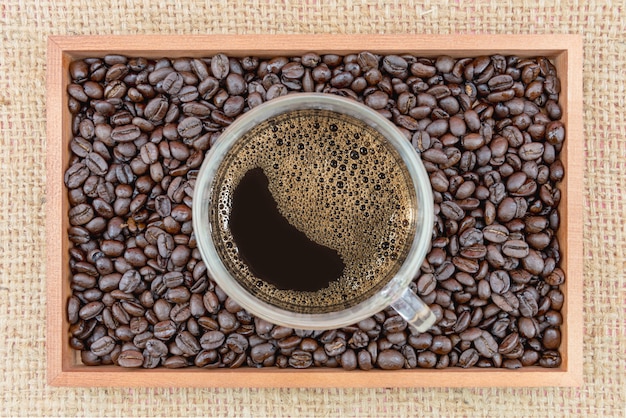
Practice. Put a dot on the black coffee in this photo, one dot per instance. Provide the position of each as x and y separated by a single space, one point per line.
315 211
272 248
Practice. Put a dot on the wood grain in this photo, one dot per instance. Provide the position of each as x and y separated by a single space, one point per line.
64 367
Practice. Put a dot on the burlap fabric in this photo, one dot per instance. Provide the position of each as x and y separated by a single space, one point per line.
25 25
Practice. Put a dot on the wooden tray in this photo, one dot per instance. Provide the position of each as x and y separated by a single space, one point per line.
64 367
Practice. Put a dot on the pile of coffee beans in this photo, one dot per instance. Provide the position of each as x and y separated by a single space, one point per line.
487 128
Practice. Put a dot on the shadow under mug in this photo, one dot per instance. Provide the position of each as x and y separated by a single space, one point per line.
395 293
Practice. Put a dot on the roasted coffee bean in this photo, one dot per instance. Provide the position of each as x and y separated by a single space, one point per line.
364 360
335 347
555 132
211 302
103 346
551 338
220 66
527 327
348 360
499 281
471 236
533 262
125 133
164 330
465 264
476 251
91 310
208 323
89 358
515 248
556 278
73 307
189 127
529 358
175 362
527 304
130 358
187 343
390 360
554 318
426 359
452 210
300 359
496 233
508 302
237 343
426 284
468 358
486 345
81 214
130 281
441 345
180 312
138 325
227 321
550 359
394 324
261 352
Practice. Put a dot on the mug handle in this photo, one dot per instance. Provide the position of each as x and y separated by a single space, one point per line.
414 311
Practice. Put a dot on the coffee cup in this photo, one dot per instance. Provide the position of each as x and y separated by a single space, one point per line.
313 211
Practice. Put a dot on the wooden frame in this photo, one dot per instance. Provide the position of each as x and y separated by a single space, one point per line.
63 365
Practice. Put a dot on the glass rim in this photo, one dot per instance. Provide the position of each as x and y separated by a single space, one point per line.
225 280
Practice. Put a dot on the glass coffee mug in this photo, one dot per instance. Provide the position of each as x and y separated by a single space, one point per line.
313 211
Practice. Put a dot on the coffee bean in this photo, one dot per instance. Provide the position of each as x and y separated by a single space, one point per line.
103 346
189 127
533 262
499 281
468 358
496 233
394 324
531 151
486 345
556 278
515 248
164 330
551 338
452 210
390 360
91 310
426 359
335 347
187 343
261 352
476 251
300 359
175 362
550 359
227 321
465 264
130 358
527 304
441 345
508 302
130 281
180 312
81 214
426 284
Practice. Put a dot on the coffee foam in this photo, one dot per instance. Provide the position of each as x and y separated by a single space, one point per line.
336 180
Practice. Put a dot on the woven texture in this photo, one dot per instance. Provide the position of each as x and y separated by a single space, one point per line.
24 26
